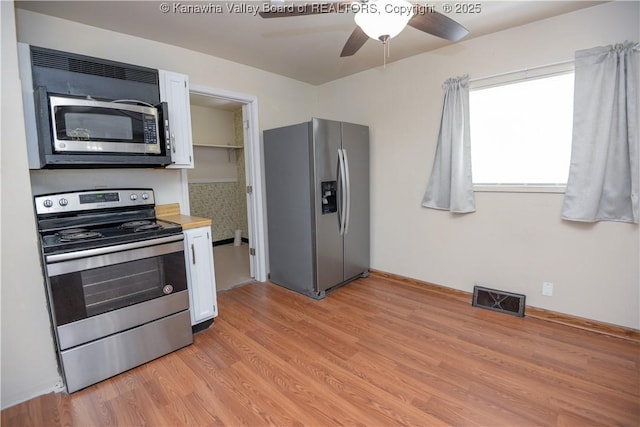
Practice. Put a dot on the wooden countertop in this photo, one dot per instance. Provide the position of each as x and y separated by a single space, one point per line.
171 213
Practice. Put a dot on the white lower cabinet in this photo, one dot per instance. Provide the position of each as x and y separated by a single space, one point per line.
201 278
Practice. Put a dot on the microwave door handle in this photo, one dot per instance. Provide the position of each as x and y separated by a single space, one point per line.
169 136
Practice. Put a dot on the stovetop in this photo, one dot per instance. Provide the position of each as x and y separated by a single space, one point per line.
71 239
95 218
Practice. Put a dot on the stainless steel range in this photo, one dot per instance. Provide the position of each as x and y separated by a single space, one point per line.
116 281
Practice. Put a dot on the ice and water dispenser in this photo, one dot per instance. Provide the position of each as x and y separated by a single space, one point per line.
329 197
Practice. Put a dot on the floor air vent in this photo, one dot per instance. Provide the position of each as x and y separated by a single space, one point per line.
502 301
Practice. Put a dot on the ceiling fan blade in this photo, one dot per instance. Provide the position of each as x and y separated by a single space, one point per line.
439 25
356 40
289 10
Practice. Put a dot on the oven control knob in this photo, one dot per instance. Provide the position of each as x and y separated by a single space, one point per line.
63 202
145 196
133 196
47 203
167 289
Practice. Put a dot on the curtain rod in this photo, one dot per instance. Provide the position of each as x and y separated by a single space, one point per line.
523 70
636 48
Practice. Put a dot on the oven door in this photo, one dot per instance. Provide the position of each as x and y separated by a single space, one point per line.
98 292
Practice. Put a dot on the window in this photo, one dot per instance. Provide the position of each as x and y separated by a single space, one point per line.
521 132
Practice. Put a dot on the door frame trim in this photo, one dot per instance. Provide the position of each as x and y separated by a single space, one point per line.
253 172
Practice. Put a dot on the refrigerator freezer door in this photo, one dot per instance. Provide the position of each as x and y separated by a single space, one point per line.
290 207
329 250
355 142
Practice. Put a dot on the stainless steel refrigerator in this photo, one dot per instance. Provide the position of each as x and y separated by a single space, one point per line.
317 194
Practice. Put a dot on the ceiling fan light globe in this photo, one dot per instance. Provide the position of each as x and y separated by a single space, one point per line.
384 19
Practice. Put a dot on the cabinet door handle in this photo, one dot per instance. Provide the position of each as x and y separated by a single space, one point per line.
193 253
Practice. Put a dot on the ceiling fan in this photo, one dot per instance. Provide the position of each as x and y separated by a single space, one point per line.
376 19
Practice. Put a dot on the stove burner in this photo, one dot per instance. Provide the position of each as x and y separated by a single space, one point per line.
71 231
147 227
135 224
141 225
81 235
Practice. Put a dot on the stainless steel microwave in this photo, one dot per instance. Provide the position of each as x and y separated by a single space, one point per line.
86 125
77 113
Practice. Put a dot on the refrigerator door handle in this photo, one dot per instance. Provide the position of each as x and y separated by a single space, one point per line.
347 191
339 191
342 196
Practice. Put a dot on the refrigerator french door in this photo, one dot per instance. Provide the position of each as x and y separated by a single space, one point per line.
317 191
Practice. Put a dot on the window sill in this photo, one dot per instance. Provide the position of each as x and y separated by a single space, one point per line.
519 188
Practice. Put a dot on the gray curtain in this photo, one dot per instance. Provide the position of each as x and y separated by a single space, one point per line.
603 177
450 186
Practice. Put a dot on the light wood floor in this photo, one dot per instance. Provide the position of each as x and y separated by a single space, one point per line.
374 353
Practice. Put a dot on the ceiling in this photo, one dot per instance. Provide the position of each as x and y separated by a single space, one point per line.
305 48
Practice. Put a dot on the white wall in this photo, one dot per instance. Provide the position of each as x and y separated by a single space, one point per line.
514 241
29 366
165 183
28 359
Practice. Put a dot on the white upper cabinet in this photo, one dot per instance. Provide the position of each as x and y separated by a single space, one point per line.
174 90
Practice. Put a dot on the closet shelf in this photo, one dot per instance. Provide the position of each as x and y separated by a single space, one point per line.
219 146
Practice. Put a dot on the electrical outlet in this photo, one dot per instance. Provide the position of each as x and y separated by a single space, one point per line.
547 289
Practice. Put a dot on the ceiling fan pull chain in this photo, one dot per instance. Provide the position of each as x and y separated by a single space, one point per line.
384 55
385 52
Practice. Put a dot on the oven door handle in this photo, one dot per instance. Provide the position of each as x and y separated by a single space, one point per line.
110 249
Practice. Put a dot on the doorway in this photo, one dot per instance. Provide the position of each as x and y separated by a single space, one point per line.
225 184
